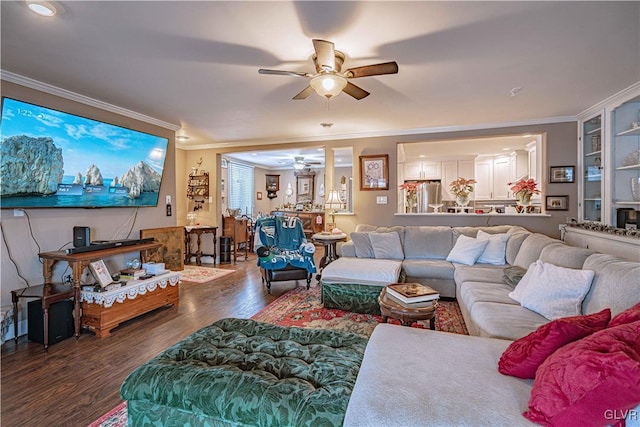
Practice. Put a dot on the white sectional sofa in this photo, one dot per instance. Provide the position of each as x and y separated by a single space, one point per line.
416 377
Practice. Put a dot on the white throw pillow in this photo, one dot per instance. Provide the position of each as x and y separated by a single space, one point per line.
495 251
386 245
516 293
362 245
556 292
467 250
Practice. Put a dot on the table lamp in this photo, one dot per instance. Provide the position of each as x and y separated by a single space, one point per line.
332 203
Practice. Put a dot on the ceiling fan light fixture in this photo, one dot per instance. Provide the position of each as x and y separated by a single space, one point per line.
42 8
328 85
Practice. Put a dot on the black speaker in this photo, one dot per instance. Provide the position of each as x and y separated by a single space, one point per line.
60 321
81 236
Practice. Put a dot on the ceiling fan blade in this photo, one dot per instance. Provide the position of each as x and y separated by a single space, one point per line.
284 73
305 93
355 91
325 55
372 70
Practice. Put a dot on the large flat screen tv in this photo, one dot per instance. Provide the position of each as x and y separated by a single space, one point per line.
52 159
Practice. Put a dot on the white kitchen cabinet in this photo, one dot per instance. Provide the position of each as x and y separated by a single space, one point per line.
422 170
452 170
493 175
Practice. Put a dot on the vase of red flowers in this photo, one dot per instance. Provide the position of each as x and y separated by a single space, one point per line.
462 188
523 190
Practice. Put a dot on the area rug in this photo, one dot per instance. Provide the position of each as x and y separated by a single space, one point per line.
197 274
303 308
117 417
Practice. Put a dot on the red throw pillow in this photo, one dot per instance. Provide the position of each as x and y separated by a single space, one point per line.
589 382
523 357
630 315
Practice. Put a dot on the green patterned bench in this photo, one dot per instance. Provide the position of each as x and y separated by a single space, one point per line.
239 372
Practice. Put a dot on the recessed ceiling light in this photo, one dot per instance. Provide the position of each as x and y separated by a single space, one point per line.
182 138
42 8
506 148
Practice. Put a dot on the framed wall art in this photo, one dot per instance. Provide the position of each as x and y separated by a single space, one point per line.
374 172
172 250
561 174
557 203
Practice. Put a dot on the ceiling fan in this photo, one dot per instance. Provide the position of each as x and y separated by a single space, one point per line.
299 163
329 79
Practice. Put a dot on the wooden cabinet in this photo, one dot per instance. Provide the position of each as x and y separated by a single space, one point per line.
240 231
198 186
422 170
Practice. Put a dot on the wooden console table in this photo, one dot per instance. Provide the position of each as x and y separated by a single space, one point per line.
103 311
78 262
198 230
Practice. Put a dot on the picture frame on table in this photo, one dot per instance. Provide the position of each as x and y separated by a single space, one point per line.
374 172
101 273
561 174
557 203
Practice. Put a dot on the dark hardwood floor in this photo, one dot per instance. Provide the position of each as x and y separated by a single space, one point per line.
79 380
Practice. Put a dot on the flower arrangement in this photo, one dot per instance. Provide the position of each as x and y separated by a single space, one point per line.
524 189
412 193
461 187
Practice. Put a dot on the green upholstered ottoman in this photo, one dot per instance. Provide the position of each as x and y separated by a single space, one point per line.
354 284
239 372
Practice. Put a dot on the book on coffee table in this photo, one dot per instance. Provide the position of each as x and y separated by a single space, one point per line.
411 293
421 304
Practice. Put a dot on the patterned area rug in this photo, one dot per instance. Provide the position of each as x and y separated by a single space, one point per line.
303 308
197 274
117 417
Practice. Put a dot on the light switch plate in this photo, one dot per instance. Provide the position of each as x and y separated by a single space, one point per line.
381 200
168 200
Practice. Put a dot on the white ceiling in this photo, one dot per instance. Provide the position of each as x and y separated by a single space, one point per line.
195 64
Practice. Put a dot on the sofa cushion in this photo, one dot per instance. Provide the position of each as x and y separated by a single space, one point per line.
505 321
412 377
517 235
362 245
428 268
615 285
585 382
366 228
386 245
512 275
556 292
523 357
531 248
362 271
427 242
467 250
630 315
492 229
478 273
565 255
494 252
518 291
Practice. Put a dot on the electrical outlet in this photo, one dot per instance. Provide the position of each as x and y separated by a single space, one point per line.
381 200
18 212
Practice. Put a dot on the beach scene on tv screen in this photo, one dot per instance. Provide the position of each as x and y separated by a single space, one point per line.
49 158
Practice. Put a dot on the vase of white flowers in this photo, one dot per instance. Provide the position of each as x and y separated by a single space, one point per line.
462 188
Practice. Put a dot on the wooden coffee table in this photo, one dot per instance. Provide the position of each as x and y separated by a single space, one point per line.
406 315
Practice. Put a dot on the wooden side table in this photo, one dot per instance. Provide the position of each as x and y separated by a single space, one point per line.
406 315
49 293
329 241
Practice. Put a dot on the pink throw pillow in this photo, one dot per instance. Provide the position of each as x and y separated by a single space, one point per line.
588 381
630 315
523 357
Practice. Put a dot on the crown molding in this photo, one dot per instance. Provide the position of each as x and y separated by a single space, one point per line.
73 96
612 102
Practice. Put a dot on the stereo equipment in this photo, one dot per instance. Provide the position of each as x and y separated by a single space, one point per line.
628 218
108 244
81 236
60 321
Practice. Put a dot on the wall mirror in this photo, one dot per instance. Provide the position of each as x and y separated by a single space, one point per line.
305 187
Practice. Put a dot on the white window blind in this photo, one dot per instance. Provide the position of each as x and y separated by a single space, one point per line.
241 186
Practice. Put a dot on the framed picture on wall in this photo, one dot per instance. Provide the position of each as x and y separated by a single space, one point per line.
557 203
561 174
374 172
259 195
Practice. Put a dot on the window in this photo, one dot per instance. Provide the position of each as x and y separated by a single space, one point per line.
241 185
